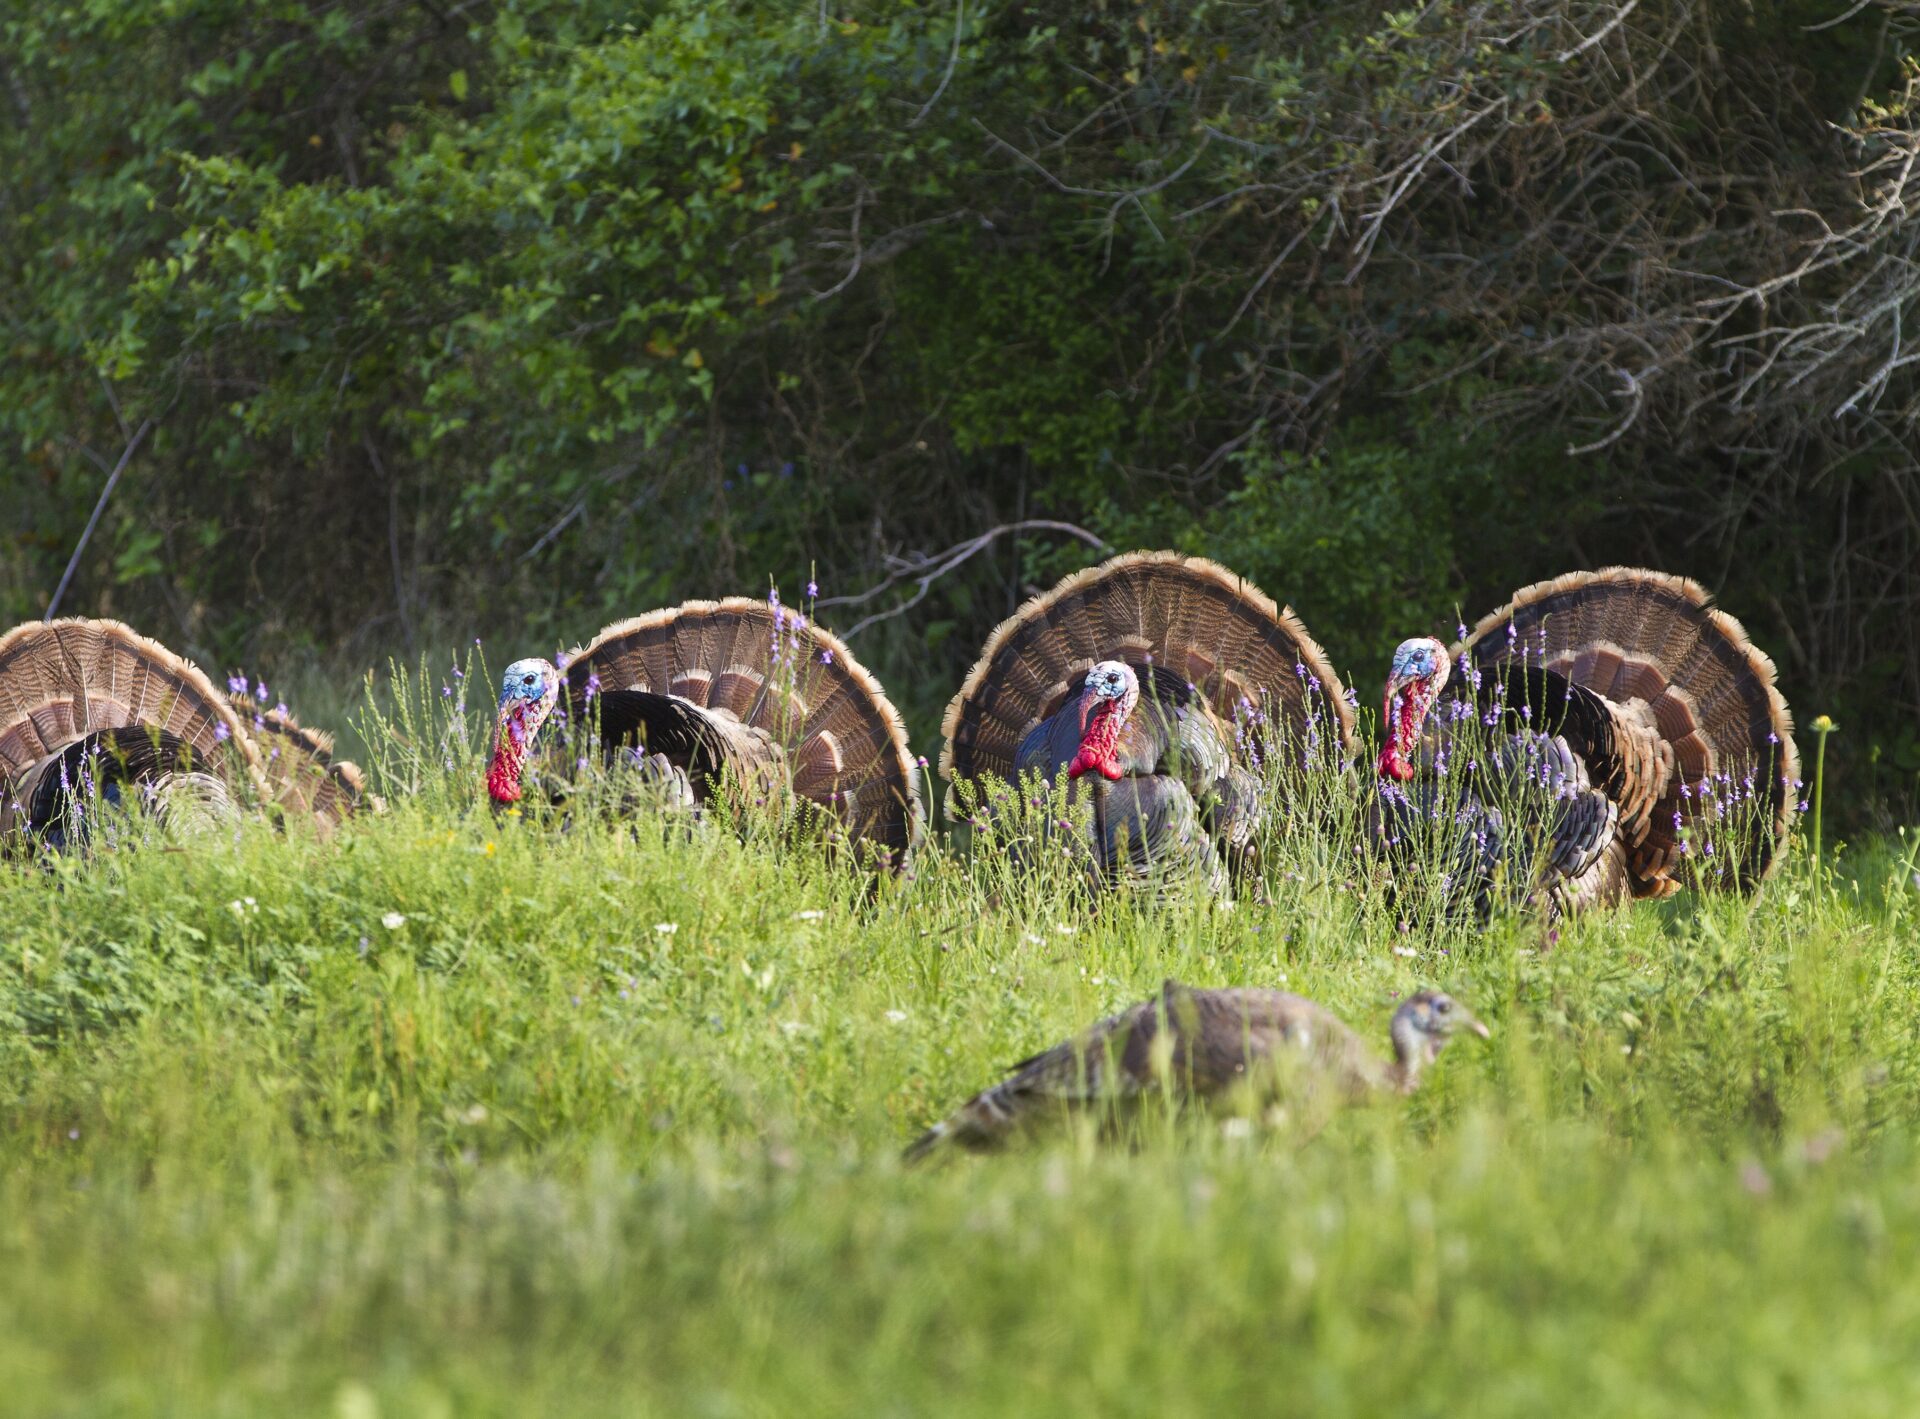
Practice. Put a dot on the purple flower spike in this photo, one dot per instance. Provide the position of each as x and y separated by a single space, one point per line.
813 589
220 732
826 657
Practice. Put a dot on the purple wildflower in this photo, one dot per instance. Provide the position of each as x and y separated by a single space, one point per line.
220 732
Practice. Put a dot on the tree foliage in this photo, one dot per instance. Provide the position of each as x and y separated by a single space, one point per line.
560 310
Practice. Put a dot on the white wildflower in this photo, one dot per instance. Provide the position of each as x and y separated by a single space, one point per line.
393 921
808 916
666 928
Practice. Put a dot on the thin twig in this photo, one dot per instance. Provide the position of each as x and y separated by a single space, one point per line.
1608 28
953 57
99 507
924 571
393 537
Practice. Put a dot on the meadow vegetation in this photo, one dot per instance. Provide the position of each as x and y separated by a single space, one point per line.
459 1113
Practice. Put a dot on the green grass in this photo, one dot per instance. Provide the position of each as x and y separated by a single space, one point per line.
527 1152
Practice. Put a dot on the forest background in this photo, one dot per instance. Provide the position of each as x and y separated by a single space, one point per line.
411 321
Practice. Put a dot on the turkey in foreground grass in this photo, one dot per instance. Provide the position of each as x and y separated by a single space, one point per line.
1205 1044
734 692
1156 683
1613 727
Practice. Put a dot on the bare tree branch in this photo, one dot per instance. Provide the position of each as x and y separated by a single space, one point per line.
924 571
100 506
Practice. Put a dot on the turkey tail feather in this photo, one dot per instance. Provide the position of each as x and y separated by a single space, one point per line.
1628 635
300 766
811 711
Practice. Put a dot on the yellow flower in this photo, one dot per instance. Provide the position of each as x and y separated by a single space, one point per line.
488 849
1824 724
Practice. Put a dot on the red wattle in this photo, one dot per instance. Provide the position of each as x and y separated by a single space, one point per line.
1097 748
503 774
503 780
1402 714
1393 766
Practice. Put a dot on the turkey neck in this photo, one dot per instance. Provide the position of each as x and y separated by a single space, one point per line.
1402 1076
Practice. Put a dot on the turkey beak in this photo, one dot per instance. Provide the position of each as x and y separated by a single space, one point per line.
1474 1025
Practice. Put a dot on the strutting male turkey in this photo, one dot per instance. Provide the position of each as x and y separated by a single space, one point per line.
92 711
1156 683
735 692
1203 1044
1637 727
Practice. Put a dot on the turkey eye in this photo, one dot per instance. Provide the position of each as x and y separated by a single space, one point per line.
1443 1006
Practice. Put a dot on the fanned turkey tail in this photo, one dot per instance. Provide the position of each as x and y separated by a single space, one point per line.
1185 620
753 687
301 771
92 706
1673 705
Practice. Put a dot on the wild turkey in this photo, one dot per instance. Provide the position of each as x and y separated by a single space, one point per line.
92 707
1203 1044
1160 682
302 774
1636 727
737 691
